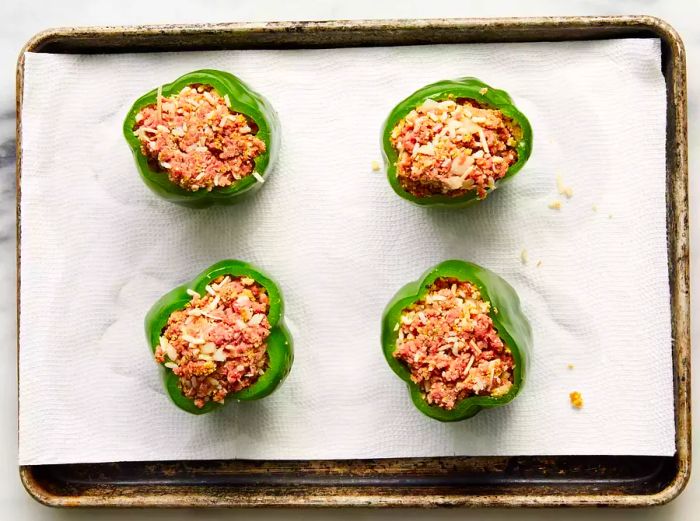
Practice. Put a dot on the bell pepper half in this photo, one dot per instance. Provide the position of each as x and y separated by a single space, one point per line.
242 100
464 88
279 342
508 319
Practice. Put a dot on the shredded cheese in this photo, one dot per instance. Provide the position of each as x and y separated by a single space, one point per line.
484 145
469 365
192 340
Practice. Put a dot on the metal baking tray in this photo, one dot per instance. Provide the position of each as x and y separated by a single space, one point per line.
425 482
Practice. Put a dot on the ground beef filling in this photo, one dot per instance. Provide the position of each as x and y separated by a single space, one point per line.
453 147
451 347
217 344
197 139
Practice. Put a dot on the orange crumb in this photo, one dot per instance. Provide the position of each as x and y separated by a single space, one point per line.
576 399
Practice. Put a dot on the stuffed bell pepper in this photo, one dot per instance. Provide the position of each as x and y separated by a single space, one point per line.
221 337
204 139
452 142
459 339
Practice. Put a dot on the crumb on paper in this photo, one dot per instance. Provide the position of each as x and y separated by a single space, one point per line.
539 263
483 91
576 399
523 256
555 205
563 189
560 183
609 216
594 207
375 166
570 366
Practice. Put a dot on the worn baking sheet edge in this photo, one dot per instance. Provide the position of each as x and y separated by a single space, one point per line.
677 204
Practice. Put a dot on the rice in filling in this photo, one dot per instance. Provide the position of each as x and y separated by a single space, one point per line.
197 140
452 147
451 347
217 344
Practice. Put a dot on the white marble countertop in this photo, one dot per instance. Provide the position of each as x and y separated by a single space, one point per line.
20 20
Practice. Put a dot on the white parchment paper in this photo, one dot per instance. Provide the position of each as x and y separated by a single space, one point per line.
98 248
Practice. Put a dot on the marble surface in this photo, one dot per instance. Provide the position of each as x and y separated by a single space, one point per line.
20 20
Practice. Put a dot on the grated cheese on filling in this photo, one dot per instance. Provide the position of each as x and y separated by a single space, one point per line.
453 147
197 140
451 347
217 344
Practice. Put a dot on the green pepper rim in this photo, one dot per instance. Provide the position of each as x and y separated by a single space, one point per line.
244 100
508 318
470 88
279 344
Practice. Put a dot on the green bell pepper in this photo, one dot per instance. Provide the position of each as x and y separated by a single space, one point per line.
279 343
507 317
469 88
242 100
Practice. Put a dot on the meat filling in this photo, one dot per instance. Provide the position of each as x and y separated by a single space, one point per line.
451 347
217 344
452 147
197 140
